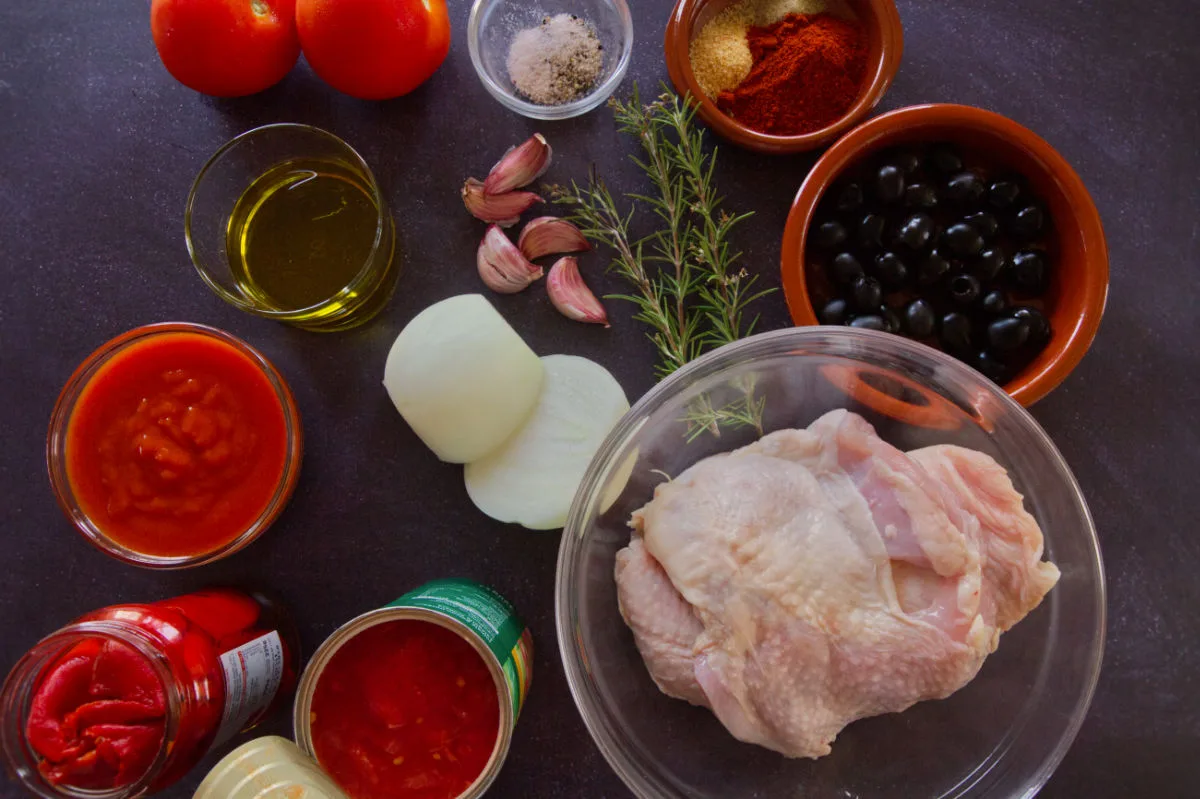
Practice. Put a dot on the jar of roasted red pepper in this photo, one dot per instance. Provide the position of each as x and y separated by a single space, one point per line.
124 701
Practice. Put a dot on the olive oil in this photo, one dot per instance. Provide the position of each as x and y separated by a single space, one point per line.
306 234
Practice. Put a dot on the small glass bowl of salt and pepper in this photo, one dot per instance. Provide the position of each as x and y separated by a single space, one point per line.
550 60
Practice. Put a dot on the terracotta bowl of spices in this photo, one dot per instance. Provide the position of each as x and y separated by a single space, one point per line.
783 76
1076 289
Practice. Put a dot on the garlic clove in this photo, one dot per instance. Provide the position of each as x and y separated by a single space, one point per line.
520 166
501 209
501 265
549 235
570 294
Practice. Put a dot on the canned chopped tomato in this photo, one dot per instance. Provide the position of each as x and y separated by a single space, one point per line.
419 698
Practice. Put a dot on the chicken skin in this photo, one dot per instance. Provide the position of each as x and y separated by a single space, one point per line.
820 576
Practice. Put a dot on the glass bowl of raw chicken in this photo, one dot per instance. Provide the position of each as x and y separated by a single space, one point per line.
832 563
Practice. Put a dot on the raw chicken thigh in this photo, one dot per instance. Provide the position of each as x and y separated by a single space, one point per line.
820 576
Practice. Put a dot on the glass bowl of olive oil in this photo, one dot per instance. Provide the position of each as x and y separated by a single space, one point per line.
286 221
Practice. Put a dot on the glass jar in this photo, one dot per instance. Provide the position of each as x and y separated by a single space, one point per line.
125 700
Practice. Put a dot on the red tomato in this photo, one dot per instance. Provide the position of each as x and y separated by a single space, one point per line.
226 48
374 49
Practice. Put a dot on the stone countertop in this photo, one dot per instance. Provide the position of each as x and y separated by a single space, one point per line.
100 146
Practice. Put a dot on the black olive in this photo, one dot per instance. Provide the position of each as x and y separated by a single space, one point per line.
869 322
916 231
962 240
1039 325
891 321
867 293
849 198
932 269
992 367
1029 271
834 312
845 269
889 184
906 161
870 232
994 303
1006 335
920 195
890 270
944 159
965 188
964 289
989 264
919 319
956 333
830 235
1028 223
1003 194
986 223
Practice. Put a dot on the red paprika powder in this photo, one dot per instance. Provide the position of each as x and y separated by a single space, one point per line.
807 71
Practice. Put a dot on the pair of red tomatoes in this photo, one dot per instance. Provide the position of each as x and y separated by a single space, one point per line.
371 49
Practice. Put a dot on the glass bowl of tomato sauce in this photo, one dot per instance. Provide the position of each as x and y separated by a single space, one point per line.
174 445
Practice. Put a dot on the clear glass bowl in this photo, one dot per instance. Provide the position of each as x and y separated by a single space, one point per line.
1000 736
247 161
494 23
93 527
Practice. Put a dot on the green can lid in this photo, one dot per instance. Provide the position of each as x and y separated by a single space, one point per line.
267 768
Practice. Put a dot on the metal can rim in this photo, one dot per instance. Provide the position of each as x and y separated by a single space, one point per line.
306 687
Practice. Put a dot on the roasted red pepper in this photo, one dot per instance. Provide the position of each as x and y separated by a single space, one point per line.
97 718
100 706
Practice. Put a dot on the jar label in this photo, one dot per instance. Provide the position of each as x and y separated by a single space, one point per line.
253 672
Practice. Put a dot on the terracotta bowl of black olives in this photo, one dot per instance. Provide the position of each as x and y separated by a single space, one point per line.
958 228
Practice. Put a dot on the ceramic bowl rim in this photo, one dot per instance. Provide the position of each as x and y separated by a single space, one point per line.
676 44
1067 346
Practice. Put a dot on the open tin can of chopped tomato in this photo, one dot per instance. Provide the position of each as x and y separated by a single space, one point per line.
426 690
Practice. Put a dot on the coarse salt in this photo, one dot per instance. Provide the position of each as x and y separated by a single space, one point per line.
557 61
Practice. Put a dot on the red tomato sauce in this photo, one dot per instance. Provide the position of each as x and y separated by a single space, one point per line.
405 710
176 445
97 716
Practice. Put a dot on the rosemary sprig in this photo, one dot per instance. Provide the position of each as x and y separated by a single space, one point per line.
745 411
658 297
687 286
726 292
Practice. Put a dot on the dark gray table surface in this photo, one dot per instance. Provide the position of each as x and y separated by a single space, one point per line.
98 146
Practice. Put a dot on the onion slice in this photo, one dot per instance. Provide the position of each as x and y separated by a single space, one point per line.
531 480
